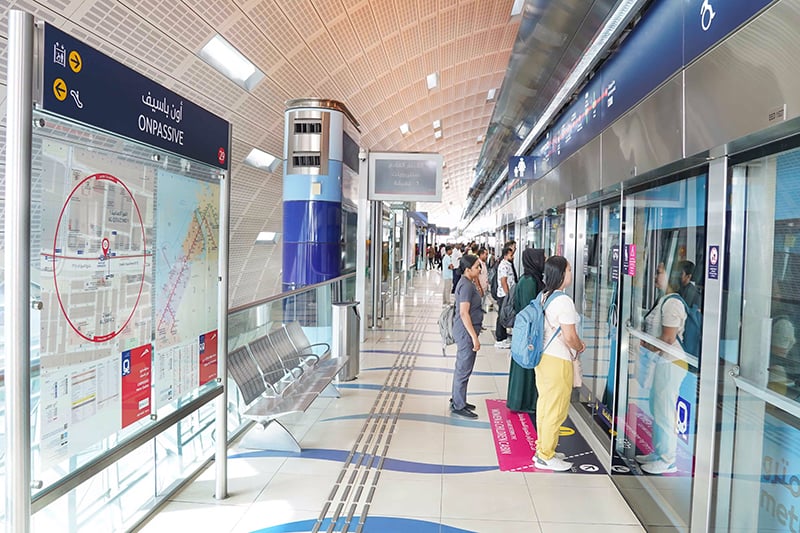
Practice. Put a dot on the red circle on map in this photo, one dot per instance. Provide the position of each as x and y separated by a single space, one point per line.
110 335
221 156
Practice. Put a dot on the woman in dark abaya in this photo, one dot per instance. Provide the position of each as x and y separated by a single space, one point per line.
522 394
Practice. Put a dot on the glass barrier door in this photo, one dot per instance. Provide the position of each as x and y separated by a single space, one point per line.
664 240
599 316
757 471
554 232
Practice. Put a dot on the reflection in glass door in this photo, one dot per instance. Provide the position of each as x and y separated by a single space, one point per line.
758 467
554 232
664 237
599 315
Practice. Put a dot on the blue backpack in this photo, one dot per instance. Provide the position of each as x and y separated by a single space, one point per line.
692 328
528 334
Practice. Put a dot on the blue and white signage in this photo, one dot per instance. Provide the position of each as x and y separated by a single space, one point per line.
706 22
683 418
713 262
521 167
87 86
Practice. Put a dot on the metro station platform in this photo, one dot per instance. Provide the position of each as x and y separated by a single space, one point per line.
389 457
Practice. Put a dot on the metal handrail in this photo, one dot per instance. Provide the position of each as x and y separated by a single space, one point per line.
294 292
768 396
665 348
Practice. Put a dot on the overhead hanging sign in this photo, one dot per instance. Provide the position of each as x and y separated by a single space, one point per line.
85 85
405 177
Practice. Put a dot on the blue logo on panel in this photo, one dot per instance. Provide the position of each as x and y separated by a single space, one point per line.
683 411
126 363
522 167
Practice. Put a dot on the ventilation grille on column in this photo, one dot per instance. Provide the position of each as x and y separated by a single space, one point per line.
308 127
306 161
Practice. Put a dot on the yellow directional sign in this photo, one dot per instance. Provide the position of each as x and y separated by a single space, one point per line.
60 89
564 431
75 61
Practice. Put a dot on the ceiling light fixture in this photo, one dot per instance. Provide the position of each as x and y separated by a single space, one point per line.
479 139
221 55
404 128
437 134
490 95
433 80
516 8
267 237
437 124
260 159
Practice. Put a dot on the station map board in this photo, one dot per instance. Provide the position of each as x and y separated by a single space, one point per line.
125 247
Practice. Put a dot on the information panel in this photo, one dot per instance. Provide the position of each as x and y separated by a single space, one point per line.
405 177
125 247
187 232
96 285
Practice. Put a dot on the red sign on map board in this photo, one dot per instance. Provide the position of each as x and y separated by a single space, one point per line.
208 357
136 379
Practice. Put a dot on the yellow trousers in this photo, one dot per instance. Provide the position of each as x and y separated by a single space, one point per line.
554 384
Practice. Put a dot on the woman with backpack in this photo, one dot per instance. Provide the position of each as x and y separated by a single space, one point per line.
554 371
466 326
665 321
522 381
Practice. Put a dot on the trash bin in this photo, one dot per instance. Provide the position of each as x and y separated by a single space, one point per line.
346 333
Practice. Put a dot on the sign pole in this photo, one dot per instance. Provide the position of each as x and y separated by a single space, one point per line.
17 271
221 452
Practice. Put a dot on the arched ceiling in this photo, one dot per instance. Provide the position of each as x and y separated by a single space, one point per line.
372 55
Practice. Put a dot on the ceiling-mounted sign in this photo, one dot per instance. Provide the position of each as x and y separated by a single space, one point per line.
405 177
82 84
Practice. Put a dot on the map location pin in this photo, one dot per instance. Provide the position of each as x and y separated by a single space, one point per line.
105 247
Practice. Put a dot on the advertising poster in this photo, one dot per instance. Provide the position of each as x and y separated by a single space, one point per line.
208 357
136 380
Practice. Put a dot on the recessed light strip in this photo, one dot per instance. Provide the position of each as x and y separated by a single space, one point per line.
224 57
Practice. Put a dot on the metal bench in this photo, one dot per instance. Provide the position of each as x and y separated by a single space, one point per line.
277 375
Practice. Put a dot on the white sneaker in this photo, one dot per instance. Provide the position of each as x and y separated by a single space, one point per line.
561 456
649 458
503 344
555 463
659 467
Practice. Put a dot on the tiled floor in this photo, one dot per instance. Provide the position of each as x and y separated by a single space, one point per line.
405 383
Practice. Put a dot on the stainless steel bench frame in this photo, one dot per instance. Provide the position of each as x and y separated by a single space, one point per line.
294 392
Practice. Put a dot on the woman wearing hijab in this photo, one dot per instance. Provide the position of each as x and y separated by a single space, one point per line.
522 394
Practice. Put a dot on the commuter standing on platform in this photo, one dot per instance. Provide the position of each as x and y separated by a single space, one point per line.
505 280
522 381
554 371
483 278
466 326
513 245
447 274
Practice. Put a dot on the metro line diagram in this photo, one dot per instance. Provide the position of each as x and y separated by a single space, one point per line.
187 257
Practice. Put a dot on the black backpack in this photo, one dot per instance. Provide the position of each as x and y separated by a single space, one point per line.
493 281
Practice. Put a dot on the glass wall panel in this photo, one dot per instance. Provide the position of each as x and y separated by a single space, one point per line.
664 237
599 317
757 480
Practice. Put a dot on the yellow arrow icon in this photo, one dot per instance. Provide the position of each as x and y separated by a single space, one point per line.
60 89
75 61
